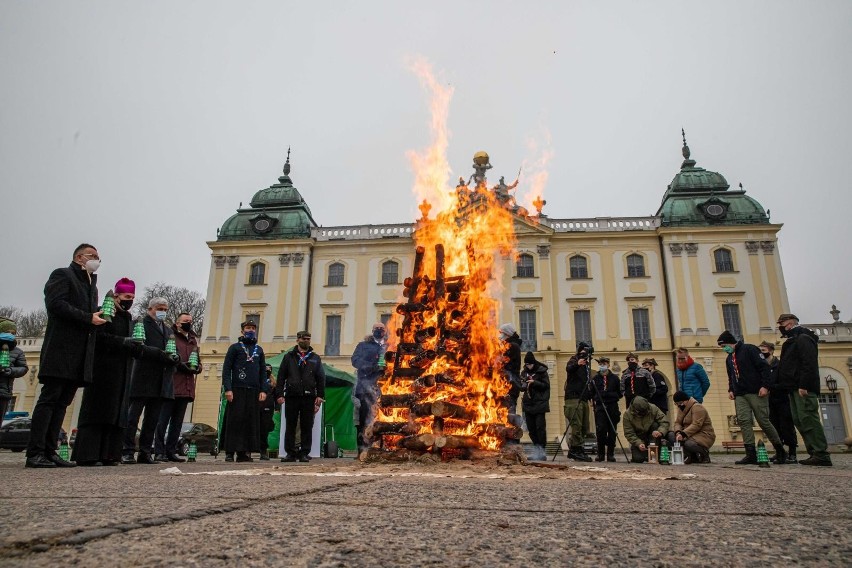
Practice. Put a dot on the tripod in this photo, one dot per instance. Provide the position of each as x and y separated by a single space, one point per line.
606 412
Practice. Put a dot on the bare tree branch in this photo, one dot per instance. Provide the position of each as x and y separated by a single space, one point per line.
180 300
29 324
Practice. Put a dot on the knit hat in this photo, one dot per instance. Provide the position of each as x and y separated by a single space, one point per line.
507 329
124 286
583 346
680 396
650 360
529 358
7 326
785 317
726 338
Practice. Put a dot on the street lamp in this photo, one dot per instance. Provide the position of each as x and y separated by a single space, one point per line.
831 383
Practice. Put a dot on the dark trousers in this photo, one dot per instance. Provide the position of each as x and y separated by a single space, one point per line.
366 416
48 415
605 433
298 410
537 426
169 425
4 406
151 406
782 418
691 448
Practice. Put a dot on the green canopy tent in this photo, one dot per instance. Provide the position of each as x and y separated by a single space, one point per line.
338 408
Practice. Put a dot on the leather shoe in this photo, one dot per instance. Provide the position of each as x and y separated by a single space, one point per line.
39 461
89 463
304 459
109 462
146 459
288 458
127 459
161 457
244 457
229 457
813 460
174 458
61 462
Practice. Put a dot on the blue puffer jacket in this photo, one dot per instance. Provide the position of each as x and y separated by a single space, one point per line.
693 381
365 359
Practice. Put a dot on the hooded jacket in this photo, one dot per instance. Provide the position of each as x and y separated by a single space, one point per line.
694 423
799 366
18 366
642 418
747 371
537 396
365 359
693 380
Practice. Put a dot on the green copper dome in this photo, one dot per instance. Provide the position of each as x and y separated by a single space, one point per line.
701 197
277 212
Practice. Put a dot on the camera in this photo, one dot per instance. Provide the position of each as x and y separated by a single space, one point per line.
585 350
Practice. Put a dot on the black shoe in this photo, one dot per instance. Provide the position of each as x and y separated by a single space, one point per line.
791 458
127 459
288 458
244 457
750 457
146 459
229 457
599 458
161 458
780 455
61 462
610 458
89 463
813 460
304 459
39 461
173 458
109 462
577 454
264 457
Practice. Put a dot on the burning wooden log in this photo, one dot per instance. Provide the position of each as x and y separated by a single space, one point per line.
380 428
419 443
397 400
452 442
444 409
503 431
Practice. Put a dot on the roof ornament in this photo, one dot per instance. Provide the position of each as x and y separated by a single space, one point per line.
687 163
285 179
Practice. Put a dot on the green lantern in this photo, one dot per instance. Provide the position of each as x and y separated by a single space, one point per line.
762 456
171 348
664 455
108 307
192 452
193 360
64 452
381 364
4 358
139 330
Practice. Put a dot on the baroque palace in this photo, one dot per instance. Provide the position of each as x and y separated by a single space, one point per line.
707 261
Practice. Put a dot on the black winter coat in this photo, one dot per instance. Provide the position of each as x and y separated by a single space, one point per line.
750 373
799 366
301 379
609 389
240 372
512 364
660 398
537 396
17 368
68 350
105 400
575 384
152 376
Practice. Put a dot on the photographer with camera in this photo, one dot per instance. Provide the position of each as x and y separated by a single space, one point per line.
577 395
536 403
605 397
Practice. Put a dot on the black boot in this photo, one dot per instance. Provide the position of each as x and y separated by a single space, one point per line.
600 456
610 454
264 454
576 453
791 455
750 457
780 454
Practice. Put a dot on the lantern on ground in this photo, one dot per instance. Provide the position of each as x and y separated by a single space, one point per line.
652 453
762 456
677 454
192 452
64 453
664 455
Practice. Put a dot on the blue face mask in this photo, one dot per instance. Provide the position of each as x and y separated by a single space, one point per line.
7 337
161 316
250 335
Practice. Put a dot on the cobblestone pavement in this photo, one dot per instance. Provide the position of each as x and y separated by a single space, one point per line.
343 513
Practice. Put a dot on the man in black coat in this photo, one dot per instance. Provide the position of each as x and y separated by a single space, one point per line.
606 393
798 372
749 381
151 384
103 411
536 403
577 396
67 353
301 391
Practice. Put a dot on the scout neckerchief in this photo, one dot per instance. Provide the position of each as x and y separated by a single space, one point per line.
736 367
303 359
249 358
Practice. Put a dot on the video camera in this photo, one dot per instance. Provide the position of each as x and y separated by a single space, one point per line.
585 350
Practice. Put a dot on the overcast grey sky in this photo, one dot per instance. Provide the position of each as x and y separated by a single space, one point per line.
140 126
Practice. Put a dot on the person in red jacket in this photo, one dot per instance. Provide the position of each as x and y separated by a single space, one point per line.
174 410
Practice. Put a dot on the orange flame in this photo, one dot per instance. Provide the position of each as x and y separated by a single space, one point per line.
536 172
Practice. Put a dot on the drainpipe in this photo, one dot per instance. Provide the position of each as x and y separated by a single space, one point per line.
669 308
310 284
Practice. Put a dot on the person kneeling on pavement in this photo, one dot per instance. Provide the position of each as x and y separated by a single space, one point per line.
692 429
644 423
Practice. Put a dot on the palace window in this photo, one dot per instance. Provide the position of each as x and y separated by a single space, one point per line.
731 319
578 267
583 326
257 273
390 272
332 335
528 330
724 260
641 329
526 268
635 266
335 274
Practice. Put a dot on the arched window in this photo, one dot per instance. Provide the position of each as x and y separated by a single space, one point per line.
257 273
635 265
724 260
335 274
579 267
526 269
390 272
